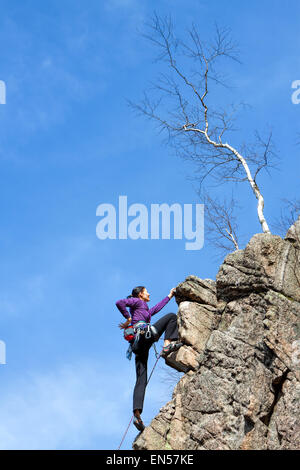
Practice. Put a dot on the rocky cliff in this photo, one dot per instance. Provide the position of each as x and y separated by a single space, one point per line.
241 354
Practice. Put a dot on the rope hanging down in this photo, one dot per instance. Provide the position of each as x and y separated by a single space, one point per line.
158 355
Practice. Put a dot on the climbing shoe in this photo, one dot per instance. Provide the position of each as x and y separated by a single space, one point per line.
170 348
138 424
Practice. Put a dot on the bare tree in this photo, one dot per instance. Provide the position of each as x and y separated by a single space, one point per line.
289 214
169 376
181 104
220 223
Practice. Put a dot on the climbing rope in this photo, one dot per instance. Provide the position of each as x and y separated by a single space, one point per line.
158 355
125 432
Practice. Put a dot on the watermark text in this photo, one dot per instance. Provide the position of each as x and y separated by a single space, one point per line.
2 92
156 225
296 94
2 352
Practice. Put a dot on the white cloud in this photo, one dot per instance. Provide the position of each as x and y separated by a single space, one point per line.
72 407
80 405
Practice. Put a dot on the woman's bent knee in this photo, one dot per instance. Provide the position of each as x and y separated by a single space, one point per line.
171 315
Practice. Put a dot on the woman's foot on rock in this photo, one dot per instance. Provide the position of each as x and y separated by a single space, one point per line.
171 348
138 424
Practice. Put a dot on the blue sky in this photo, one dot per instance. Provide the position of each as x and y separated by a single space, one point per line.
69 142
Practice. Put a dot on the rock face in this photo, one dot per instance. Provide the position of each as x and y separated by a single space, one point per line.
241 354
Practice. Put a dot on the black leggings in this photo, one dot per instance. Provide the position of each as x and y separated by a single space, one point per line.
167 324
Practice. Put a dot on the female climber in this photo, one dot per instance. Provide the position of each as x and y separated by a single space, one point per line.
141 314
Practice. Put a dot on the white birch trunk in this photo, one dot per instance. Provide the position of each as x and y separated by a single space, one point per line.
255 188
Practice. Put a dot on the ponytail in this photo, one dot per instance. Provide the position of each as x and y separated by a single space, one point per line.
135 292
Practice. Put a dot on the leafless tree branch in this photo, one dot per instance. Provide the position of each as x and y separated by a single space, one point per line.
288 215
220 223
183 108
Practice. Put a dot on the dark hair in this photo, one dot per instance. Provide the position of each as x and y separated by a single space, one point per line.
135 292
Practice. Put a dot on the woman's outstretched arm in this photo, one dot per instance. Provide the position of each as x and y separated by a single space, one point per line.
162 303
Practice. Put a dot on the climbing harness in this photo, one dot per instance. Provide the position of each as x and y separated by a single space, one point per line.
158 355
133 335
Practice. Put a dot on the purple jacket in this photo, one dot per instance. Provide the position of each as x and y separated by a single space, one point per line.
139 309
